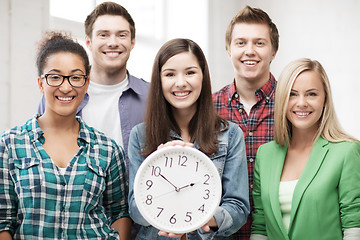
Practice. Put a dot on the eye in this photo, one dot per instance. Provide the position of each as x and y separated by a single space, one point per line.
170 74
54 77
190 73
292 94
76 77
312 94
240 43
103 35
259 43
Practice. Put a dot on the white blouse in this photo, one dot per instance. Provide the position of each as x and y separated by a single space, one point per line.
286 191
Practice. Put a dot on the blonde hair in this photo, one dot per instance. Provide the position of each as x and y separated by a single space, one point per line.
329 127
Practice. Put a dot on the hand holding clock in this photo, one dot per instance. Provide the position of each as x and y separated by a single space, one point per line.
194 195
206 227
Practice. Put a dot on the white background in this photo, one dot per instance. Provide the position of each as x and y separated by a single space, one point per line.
325 30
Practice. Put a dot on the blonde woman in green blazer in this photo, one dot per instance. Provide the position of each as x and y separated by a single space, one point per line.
306 181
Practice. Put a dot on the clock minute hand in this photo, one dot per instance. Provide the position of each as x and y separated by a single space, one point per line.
176 188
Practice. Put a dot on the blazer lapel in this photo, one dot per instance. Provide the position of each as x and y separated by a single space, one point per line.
277 163
316 158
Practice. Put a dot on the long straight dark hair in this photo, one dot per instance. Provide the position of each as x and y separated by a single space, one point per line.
205 124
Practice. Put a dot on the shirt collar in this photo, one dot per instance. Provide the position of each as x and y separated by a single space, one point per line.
36 133
267 90
133 85
264 92
33 129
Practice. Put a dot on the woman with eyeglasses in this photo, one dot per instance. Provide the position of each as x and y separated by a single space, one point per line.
61 179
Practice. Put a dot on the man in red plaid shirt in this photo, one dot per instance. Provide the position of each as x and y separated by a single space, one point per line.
252 41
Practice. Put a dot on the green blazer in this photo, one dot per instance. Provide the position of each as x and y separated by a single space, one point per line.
326 198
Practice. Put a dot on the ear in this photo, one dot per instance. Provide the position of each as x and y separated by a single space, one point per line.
88 42
86 86
41 85
133 43
273 55
229 53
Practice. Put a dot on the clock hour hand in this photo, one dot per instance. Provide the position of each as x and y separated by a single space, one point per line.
176 188
189 185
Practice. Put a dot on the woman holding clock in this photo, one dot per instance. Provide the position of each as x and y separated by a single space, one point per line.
180 112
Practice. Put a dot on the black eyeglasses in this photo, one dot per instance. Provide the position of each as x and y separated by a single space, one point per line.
55 80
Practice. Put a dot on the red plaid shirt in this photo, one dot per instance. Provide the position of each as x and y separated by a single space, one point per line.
257 127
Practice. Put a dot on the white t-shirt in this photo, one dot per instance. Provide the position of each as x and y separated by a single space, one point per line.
102 110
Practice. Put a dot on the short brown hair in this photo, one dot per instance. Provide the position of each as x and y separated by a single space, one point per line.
108 8
253 15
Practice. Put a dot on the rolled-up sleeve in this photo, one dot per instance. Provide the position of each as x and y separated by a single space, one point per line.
135 159
234 207
115 195
8 197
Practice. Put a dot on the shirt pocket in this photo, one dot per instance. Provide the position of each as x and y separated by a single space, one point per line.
219 158
28 177
94 184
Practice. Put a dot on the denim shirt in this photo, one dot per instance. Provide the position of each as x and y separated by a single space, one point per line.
230 160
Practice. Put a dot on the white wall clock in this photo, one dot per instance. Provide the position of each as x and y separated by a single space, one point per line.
177 189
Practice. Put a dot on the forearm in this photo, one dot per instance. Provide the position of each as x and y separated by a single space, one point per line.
123 226
5 235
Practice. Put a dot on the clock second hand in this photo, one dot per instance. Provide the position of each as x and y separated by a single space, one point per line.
176 188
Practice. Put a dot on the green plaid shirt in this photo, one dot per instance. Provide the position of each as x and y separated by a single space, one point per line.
38 202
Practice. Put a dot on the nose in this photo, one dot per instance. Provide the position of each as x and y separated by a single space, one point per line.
65 86
249 49
180 81
112 41
302 101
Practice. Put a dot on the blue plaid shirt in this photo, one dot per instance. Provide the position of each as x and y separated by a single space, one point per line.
38 202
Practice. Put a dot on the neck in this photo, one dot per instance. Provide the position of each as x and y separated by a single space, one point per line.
61 124
246 88
302 139
102 76
183 118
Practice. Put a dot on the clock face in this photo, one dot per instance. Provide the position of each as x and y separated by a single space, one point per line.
177 189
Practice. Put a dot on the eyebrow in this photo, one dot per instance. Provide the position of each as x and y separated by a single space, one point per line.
107 31
58 71
309 90
188 68
256 39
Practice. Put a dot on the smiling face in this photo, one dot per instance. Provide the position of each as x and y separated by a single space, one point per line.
306 102
64 99
181 80
251 52
111 43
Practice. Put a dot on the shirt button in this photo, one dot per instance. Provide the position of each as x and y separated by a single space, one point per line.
240 110
251 186
251 160
236 95
250 134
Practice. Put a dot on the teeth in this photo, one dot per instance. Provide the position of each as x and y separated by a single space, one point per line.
250 62
112 54
302 113
65 98
181 94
